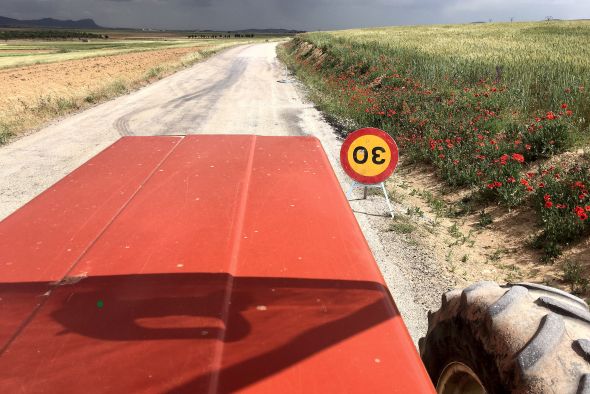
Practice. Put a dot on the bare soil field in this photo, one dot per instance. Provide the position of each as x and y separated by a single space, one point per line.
24 85
37 93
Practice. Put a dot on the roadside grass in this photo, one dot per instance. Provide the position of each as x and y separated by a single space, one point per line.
31 114
485 219
154 72
573 274
439 206
455 232
6 132
403 228
402 225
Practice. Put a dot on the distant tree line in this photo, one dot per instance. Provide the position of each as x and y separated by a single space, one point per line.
48 35
210 36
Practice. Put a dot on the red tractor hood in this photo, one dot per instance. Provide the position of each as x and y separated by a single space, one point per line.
201 264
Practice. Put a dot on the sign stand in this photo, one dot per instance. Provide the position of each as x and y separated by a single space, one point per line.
369 156
381 186
286 78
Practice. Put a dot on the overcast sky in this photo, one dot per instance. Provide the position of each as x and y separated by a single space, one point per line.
291 14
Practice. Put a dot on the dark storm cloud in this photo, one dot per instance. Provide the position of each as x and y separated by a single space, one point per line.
301 14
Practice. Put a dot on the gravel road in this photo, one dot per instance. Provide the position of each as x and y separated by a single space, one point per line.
241 90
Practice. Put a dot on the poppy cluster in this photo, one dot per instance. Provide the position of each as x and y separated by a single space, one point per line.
565 202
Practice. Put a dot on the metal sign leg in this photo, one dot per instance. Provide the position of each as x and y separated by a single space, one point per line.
387 199
350 190
381 185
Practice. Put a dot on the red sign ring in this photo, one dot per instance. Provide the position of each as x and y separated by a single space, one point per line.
382 176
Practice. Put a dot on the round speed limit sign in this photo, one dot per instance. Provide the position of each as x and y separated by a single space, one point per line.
369 155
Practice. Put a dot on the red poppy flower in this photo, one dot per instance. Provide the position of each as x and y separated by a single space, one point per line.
548 204
518 157
524 182
581 213
564 105
550 115
547 197
541 185
569 112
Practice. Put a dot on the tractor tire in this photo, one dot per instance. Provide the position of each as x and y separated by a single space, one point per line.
519 338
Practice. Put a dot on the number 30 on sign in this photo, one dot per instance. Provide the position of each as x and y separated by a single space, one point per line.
369 155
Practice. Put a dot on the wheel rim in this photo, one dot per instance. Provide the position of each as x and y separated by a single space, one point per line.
458 378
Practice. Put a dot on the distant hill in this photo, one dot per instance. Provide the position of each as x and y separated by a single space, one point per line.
50 23
90 24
